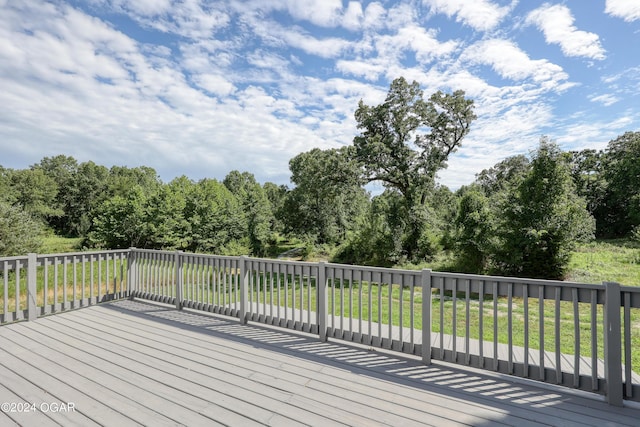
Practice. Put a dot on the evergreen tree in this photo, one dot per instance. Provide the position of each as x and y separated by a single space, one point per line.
543 218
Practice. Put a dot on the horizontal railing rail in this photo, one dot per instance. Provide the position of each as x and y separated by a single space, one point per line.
584 336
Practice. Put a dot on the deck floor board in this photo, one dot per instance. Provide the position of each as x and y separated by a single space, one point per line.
134 363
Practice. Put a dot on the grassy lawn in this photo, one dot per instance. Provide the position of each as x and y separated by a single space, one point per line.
58 244
606 260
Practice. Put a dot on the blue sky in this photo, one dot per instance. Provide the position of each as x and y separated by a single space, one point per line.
200 88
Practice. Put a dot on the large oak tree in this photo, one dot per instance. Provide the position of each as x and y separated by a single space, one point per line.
406 140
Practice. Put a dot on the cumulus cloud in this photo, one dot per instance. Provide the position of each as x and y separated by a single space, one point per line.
628 10
556 23
482 15
353 16
508 60
384 54
326 13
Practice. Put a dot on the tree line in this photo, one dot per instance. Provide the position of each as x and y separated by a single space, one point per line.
522 217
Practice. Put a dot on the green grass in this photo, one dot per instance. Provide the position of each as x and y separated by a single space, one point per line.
606 261
58 244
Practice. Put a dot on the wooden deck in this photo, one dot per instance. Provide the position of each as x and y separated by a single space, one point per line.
135 363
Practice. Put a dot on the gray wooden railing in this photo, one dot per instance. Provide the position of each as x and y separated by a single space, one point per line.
577 335
36 285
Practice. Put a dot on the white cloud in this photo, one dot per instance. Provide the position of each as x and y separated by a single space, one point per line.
359 68
605 99
142 7
629 10
276 35
508 60
556 23
214 83
325 13
374 16
384 54
188 18
353 16
482 15
595 134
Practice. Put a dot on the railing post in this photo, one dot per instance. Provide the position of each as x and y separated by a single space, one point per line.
32 288
426 316
322 297
131 273
613 344
244 289
178 262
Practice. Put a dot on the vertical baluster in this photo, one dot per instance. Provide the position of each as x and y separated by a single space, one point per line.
379 281
309 296
370 330
292 269
400 310
467 314
301 280
265 284
627 346
156 275
541 326
278 296
557 336
91 283
74 264
169 290
576 333
412 311
495 326
17 295
45 302
351 303
65 280
390 307
271 290
441 319
5 277
510 326
222 297
454 296
342 302
107 279
481 324
84 278
360 303
525 303
332 285
286 295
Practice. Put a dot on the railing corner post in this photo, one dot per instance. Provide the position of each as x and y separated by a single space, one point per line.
613 344
426 316
132 275
322 298
32 286
244 289
179 264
